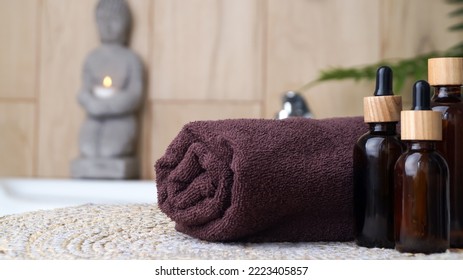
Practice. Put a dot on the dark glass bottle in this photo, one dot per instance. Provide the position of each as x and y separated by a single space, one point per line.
421 183
447 100
375 155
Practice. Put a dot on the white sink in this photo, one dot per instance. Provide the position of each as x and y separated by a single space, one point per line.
23 195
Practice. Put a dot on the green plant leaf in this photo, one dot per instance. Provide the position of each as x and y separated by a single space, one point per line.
455 13
458 26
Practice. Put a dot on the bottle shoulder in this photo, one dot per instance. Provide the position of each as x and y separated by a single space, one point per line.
377 145
454 100
422 158
448 107
370 138
451 112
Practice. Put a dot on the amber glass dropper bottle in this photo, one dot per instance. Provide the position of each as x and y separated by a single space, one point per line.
421 184
375 155
446 76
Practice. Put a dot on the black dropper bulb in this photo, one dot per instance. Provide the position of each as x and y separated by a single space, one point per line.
383 81
421 96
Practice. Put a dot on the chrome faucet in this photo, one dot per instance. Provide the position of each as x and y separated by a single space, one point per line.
294 105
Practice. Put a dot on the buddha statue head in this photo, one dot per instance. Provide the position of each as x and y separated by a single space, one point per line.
113 20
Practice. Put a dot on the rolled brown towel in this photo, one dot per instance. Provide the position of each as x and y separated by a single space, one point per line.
261 180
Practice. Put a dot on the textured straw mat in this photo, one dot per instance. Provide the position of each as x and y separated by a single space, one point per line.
143 232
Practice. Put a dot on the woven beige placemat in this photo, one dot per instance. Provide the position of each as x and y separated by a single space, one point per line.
143 232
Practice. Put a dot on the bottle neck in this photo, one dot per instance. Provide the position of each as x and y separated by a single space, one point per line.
421 145
386 128
442 91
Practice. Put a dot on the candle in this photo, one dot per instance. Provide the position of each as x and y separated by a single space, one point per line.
106 90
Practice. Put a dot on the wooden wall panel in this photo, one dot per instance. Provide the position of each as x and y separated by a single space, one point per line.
141 43
145 143
18 49
68 34
208 49
305 36
170 117
17 144
414 27
141 27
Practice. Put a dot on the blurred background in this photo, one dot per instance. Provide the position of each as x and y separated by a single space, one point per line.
204 59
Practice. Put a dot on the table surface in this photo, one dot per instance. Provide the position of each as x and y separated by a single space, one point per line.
142 231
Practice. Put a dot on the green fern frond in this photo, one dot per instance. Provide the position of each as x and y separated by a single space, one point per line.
456 13
414 67
458 26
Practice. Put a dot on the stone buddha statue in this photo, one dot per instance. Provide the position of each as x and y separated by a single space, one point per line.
111 95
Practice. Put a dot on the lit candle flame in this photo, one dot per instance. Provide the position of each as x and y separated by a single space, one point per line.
107 82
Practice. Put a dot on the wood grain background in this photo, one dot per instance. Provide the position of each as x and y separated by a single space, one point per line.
205 59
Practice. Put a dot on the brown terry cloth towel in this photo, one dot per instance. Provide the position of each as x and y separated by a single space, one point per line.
261 180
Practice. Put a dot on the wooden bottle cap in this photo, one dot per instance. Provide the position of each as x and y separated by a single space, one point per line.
421 125
445 71
382 108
